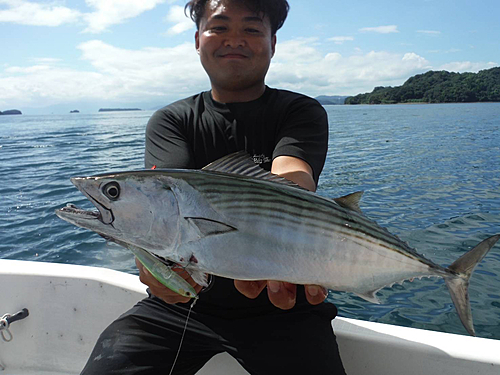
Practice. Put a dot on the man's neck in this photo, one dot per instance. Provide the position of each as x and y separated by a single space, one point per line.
238 96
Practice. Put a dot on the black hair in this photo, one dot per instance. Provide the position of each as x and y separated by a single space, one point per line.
276 10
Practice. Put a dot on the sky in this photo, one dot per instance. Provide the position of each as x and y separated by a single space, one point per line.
57 55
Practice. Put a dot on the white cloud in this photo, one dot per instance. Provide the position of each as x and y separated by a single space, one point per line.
380 29
46 60
467 66
298 50
314 73
27 70
37 14
48 85
104 14
167 74
451 50
341 39
116 74
429 32
182 23
112 12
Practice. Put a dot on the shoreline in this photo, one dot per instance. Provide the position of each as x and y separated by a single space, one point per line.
420 103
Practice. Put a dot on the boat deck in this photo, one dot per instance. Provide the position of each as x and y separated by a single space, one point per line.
70 305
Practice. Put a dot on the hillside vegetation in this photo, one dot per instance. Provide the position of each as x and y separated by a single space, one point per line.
331 100
438 87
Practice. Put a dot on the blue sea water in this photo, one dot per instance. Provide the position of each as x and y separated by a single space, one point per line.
430 173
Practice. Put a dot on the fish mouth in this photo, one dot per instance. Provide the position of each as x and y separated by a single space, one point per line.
77 215
72 210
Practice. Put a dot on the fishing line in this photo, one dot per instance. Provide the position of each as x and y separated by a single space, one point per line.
182 337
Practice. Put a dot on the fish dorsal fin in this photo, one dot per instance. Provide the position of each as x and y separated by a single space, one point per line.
350 201
241 163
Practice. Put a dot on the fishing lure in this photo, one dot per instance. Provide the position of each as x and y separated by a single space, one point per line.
163 273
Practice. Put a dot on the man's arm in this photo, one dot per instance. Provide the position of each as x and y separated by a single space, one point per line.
282 294
294 169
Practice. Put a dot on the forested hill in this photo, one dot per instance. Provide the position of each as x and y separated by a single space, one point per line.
438 87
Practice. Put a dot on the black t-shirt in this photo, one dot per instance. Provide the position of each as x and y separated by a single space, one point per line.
196 131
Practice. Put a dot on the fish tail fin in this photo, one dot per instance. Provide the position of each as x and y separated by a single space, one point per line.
458 284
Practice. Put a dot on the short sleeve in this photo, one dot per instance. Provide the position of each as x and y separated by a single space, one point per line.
167 143
304 134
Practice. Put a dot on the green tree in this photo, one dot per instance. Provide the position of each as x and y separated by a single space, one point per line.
438 87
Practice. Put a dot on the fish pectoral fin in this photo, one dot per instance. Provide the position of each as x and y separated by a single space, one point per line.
209 227
200 277
369 296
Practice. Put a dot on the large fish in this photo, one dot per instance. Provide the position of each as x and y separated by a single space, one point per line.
235 220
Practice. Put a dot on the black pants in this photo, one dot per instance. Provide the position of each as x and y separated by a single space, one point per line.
145 340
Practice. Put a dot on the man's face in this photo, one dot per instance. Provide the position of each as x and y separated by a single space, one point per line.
235 45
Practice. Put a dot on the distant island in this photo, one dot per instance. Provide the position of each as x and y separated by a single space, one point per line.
11 112
74 111
438 87
118 109
331 100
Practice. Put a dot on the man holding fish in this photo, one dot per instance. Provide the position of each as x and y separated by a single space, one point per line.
288 328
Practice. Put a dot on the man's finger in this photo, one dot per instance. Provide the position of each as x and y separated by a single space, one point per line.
250 289
160 290
315 294
282 295
145 276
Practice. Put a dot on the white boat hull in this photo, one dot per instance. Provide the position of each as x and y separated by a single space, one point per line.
70 306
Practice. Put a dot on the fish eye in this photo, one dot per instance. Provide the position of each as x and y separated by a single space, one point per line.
111 190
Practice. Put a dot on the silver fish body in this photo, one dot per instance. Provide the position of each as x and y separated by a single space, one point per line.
234 220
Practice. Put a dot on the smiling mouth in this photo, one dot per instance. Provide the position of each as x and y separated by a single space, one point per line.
234 55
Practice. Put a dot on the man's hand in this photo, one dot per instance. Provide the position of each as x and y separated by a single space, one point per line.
281 294
160 290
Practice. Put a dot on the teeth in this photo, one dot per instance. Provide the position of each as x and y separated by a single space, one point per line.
71 208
